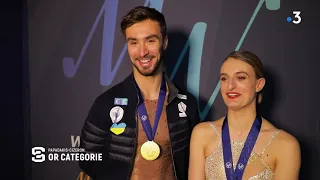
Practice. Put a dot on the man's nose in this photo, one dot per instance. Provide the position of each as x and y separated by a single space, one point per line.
143 50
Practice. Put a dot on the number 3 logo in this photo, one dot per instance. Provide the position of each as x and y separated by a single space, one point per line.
297 16
38 154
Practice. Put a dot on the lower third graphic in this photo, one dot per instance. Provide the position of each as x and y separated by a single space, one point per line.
41 154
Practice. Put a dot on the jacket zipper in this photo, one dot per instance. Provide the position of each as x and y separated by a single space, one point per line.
174 166
135 145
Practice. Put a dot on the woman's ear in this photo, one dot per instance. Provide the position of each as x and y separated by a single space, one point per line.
260 84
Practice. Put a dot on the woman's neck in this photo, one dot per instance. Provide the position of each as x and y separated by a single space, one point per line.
240 121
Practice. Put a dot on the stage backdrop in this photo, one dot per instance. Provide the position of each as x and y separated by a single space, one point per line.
77 52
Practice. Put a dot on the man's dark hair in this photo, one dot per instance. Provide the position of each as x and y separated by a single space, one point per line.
142 13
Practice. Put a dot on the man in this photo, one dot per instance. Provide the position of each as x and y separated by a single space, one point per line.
143 124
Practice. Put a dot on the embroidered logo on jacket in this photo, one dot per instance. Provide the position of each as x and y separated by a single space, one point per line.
182 109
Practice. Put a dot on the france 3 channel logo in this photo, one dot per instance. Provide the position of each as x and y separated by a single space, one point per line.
41 154
297 19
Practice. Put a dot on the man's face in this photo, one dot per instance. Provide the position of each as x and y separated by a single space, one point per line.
146 46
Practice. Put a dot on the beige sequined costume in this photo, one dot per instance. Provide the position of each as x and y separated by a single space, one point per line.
214 165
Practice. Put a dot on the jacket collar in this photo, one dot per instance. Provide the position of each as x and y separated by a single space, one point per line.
172 89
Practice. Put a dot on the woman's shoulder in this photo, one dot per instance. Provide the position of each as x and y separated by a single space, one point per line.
207 127
283 138
204 133
287 140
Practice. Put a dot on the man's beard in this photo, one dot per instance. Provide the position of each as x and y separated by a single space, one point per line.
156 67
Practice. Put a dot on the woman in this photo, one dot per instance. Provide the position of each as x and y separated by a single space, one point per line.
242 145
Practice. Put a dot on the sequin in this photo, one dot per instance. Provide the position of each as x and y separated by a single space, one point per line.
214 163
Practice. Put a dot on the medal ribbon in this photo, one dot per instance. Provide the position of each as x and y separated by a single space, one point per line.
144 115
245 153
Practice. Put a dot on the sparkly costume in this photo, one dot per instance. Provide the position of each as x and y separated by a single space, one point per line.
214 164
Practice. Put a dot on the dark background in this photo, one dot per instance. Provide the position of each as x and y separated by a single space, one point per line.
15 91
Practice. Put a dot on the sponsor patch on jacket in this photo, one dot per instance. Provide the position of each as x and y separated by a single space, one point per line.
121 101
116 114
182 109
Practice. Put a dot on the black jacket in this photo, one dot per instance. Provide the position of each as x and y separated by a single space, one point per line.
119 150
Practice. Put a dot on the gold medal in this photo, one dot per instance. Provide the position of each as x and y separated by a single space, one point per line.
150 150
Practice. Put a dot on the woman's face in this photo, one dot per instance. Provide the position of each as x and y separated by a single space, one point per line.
239 85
